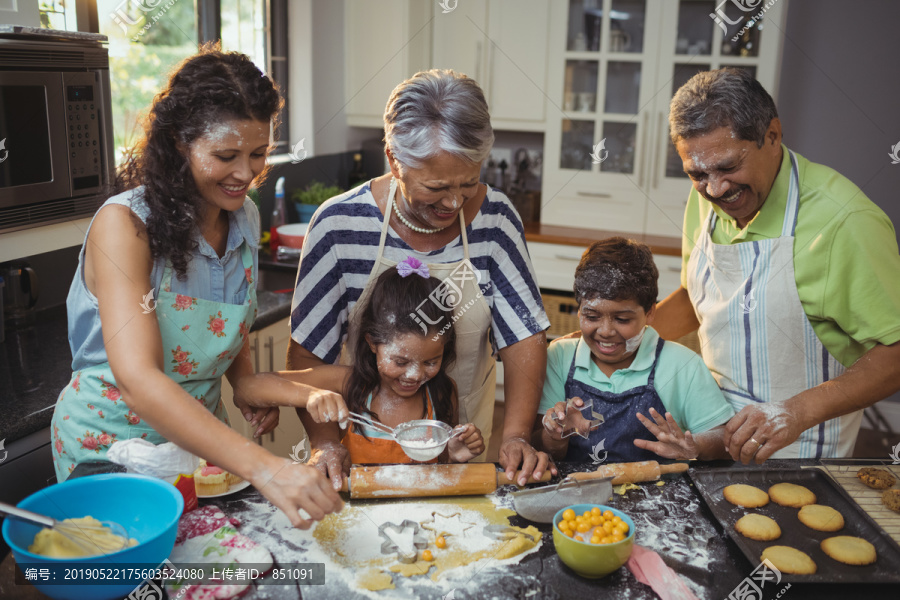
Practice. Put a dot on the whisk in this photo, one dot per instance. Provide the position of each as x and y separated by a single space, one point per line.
83 535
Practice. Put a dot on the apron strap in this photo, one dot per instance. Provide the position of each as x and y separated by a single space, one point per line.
659 347
792 207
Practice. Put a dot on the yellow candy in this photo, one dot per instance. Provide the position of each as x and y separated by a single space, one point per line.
582 527
569 532
426 555
440 542
608 514
578 538
595 540
586 514
568 514
596 511
623 527
563 526
608 526
618 536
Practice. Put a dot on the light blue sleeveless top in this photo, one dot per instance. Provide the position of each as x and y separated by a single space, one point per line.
208 277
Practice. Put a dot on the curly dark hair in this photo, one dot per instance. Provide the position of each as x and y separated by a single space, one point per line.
392 311
208 87
617 269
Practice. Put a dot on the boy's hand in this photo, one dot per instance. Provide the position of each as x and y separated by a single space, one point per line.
325 407
466 445
555 427
672 442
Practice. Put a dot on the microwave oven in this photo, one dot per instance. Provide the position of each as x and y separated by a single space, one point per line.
56 142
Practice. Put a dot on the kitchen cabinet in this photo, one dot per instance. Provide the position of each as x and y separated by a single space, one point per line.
614 66
502 44
385 42
268 352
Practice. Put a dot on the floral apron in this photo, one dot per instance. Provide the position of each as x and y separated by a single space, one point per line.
200 339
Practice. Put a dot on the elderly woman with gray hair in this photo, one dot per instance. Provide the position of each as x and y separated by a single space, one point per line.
431 206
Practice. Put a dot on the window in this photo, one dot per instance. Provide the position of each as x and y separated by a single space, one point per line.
57 14
244 29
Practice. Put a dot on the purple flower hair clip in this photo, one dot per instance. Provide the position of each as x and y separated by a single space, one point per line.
412 265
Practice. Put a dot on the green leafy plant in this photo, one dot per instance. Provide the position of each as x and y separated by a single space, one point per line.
315 193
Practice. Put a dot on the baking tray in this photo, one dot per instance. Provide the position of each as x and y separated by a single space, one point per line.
886 569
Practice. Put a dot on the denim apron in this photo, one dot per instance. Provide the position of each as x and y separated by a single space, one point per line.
621 427
200 339
754 334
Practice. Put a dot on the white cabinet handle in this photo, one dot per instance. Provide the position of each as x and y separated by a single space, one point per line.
594 194
254 350
270 346
643 151
661 138
478 49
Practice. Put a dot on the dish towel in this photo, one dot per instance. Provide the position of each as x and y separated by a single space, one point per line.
648 568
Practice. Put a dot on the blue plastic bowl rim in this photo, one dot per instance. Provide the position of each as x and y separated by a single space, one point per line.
602 507
163 485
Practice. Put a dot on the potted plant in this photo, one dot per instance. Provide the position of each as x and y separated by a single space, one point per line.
309 199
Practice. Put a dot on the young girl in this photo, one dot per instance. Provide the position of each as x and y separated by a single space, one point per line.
181 231
401 354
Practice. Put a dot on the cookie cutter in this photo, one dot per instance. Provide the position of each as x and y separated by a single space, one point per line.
432 524
389 546
582 421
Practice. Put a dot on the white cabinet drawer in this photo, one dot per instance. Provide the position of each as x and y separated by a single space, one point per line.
669 273
554 264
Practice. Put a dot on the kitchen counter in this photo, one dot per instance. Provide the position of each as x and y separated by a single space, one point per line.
573 236
36 364
672 520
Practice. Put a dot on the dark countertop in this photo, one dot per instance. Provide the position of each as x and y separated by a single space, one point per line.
36 364
672 520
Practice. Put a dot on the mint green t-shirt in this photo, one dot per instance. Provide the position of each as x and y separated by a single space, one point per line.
684 384
846 261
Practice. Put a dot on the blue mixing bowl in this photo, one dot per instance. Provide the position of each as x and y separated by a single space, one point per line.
147 508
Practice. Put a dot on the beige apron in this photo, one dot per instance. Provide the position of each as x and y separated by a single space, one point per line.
475 370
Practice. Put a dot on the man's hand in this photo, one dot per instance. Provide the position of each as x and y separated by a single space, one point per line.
333 460
760 430
517 451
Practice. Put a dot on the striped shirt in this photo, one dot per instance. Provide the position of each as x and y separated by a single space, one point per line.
339 252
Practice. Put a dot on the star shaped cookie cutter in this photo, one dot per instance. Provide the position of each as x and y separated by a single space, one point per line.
581 421
451 524
389 546
505 532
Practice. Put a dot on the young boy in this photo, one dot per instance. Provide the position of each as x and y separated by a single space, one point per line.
622 366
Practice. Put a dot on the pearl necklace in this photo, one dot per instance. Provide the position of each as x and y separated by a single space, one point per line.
410 225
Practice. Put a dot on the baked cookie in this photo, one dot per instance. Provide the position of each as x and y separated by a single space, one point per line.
849 550
789 560
877 479
821 518
758 527
740 494
891 499
790 494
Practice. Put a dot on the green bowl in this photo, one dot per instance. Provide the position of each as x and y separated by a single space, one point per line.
592 560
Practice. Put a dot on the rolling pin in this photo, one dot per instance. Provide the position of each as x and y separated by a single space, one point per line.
412 481
633 472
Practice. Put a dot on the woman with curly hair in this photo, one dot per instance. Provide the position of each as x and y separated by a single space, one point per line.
162 302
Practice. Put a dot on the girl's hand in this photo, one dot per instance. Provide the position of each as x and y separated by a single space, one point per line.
672 442
466 445
264 418
292 487
325 407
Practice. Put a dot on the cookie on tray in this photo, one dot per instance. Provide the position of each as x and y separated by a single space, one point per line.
821 518
891 499
789 560
791 494
748 496
849 550
758 527
877 479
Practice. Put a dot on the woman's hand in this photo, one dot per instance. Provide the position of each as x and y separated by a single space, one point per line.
264 418
517 451
467 445
327 407
333 460
293 487
672 442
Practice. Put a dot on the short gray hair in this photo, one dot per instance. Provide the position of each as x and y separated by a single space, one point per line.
723 98
434 111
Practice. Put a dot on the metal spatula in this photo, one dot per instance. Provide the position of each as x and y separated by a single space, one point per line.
541 504
78 534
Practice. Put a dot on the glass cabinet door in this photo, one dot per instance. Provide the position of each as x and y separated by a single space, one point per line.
608 78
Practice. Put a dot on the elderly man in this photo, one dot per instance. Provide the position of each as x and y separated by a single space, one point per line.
790 273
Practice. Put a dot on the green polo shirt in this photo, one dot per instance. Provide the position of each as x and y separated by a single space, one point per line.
684 384
846 262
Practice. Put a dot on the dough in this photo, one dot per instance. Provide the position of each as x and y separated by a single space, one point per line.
849 550
758 527
891 499
789 560
746 495
821 518
375 581
49 542
877 479
789 494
